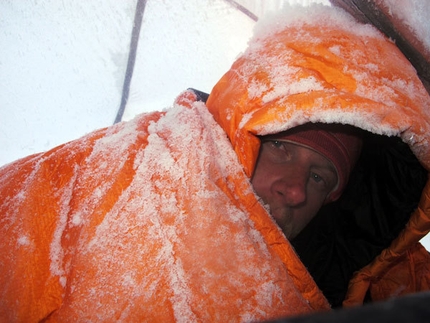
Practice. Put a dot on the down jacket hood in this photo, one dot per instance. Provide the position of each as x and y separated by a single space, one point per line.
319 65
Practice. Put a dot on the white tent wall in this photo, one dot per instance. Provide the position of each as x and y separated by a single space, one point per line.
195 43
63 63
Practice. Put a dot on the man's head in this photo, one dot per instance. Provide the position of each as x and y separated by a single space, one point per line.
302 169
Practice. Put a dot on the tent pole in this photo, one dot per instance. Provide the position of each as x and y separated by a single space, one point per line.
138 17
242 9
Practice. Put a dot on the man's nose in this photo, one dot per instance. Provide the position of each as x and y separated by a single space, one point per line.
291 188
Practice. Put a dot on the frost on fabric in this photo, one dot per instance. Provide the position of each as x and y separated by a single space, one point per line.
110 149
10 204
299 86
176 235
23 241
256 89
56 249
245 118
295 16
11 220
371 82
284 78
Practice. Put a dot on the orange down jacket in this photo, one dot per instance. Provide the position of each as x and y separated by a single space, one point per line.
156 220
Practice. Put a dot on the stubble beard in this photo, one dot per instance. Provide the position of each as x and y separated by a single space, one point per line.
283 217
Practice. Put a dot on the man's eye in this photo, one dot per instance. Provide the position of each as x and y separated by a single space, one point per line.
317 178
277 144
279 151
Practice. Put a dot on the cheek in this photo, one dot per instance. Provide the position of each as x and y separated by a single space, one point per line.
258 183
315 201
261 179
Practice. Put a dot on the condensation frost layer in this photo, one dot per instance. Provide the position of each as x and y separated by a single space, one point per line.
129 226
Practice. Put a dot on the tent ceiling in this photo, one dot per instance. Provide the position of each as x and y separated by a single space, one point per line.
63 64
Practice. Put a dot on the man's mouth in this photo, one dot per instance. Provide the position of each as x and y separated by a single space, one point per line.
283 218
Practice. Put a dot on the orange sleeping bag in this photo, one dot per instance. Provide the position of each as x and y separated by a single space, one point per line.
151 220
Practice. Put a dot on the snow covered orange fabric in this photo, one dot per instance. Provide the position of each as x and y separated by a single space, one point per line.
156 220
318 65
151 220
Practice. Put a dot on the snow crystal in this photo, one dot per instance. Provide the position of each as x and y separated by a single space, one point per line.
256 89
98 193
127 279
372 67
298 16
266 292
300 86
23 241
245 118
56 251
20 196
335 50
118 138
63 281
76 219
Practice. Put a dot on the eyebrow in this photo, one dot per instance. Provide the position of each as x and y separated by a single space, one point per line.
326 166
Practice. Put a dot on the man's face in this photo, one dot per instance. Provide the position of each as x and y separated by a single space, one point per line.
294 181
